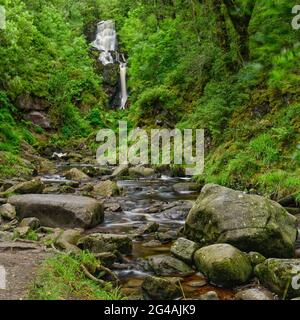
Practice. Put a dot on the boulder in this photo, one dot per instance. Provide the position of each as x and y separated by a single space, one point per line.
100 242
249 222
161 289
29 103
106 188
141 171
76 174
281 276
187 186
21 232
163 265
256 258
121 170
184 249
7 211
223 265
33 223
254 294
66 211
27 187
39 119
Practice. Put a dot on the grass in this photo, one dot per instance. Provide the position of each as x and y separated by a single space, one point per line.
60 278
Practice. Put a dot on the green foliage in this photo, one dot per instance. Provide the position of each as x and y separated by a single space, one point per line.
61 277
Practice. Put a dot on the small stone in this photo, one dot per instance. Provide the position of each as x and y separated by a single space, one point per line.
210 295
184 249
254 294
7 211
147 228
32 223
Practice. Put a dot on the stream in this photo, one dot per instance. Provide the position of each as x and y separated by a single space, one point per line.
146 200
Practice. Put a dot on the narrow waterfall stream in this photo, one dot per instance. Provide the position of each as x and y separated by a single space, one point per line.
106 42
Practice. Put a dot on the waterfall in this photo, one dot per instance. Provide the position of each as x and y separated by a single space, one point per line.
106 43
124 95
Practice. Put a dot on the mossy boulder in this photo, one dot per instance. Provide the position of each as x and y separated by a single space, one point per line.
281 276
163 265
157 288
7 211
100 242
184 250
106 189
76 174
248 222
27 187
141 171
223 264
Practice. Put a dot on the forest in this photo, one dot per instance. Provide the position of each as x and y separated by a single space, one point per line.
230 67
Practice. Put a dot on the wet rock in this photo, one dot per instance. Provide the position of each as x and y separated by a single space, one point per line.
106 189
88 187
106 258
121 170
141 171
147 228
187 186
67 189
7 211
256 258
160 289
76 174
95 171
254 294
223 265
67 211
52 189
210 295
197 283
113 207
166 237
39 119
249 222
152 244
184 249
100 242
27 187
281 276
32 223
163 265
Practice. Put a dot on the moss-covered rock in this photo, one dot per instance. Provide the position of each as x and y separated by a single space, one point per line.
248 222
163 265
256 258
100 242
106 189
157 288
141 171
76 174
281 276
223 265
184 249
27 187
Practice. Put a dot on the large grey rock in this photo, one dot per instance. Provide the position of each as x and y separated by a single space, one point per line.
223 264
39 119
33 223
184 249
281 276
169 266
249 222
161 289
101 242
67 211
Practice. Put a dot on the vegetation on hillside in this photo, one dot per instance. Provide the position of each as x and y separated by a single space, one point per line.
230 67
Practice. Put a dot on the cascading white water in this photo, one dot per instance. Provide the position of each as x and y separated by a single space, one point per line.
106 43
124 95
